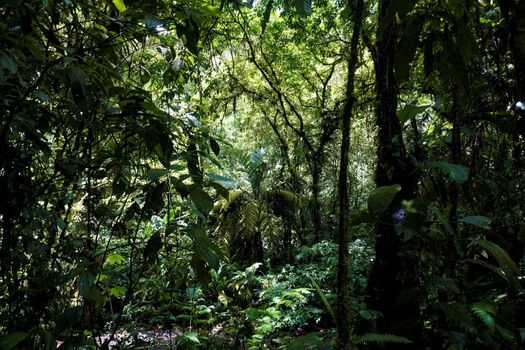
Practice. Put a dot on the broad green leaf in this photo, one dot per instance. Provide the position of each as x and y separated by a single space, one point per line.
456 8
190 31
216 149
115 259
206 249
504 260
456 173
411 218
410 111
221 180
210 10
152 22
206 255
85 281
496 269
119 4
477 220
202 200
11 340
192 336
221 190
118 292
380 198
366 314
155 174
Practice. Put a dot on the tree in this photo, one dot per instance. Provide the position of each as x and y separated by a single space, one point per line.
295 110
84 128
343 310
392 288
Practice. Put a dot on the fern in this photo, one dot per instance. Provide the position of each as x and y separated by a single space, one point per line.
507 334
485 311
459 315
249 219
382 339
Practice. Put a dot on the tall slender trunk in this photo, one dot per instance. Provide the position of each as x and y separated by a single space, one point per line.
343 310
514 13
316 207
392 287
454 188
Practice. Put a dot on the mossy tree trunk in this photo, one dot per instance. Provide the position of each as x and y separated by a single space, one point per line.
392 287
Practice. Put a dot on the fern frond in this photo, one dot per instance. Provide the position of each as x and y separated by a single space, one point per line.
323 298
484 312
234 196
379 338
249 219
459 315
224 204
289 197
508 335
284 202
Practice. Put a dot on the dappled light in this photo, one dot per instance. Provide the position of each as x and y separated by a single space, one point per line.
268 174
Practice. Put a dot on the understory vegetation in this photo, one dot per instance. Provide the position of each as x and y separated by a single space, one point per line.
262 174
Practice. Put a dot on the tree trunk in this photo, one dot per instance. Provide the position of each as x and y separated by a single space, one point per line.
316 210
454 188
392 287
343 310
287 240
514 13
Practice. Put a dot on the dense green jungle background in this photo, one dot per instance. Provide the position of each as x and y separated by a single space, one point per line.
271 174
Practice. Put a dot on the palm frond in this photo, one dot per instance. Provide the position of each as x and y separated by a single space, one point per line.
249 219
323 298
